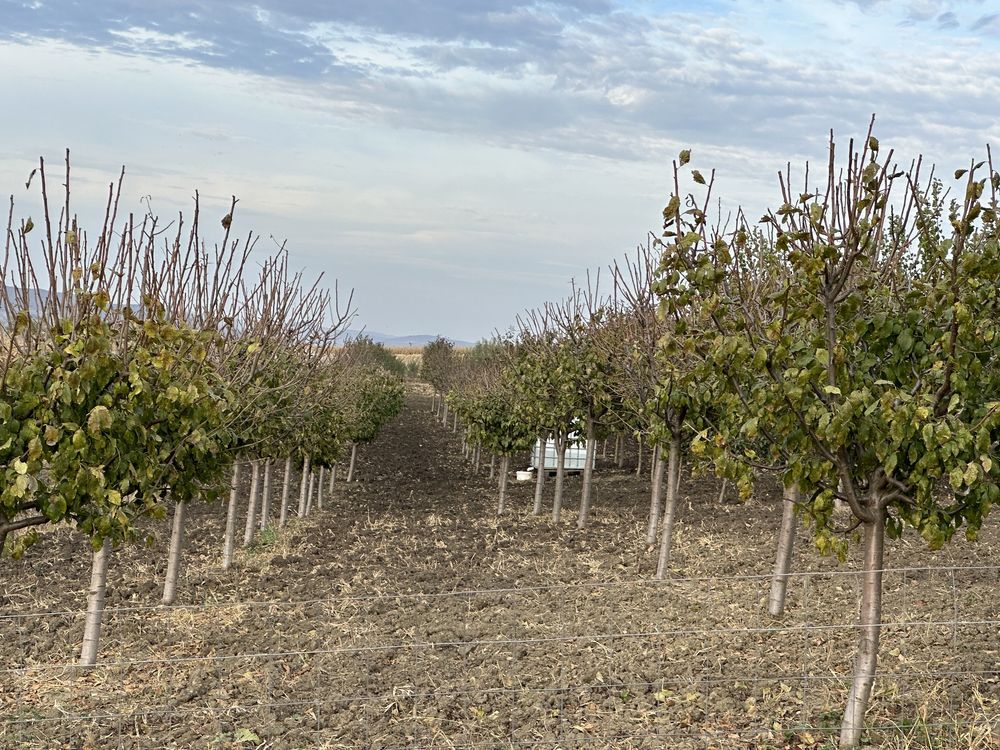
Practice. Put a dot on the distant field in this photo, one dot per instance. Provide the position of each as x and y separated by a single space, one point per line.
408 355
413 354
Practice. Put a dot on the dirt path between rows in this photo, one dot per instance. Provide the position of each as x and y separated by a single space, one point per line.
404 615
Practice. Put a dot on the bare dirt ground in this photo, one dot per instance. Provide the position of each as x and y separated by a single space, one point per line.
404 615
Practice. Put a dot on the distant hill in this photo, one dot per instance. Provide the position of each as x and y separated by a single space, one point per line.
415 340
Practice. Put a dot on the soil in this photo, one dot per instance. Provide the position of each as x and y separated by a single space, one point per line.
404 614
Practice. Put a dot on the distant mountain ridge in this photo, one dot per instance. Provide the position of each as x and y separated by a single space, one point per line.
391 341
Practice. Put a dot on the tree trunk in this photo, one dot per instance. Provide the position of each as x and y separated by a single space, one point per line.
638 468
230 539
319 487
560 476
309 491
655 496
444 418
454 422
870 625
618 450
251 524
265 496
783 558
504 469
540 478
174 555
354 458
303 487
333 479
286 488
667 530
433 402
493 465
722 491
588 476
604 450
95 606
476 460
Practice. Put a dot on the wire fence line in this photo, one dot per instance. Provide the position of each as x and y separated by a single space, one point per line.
502 643
417 686
513 590
405 694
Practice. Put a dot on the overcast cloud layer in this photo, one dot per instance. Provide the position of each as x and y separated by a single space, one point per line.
457 161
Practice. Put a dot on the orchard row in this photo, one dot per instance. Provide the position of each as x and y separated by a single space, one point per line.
140 365
845 342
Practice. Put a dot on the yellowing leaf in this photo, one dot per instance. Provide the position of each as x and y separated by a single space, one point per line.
99 419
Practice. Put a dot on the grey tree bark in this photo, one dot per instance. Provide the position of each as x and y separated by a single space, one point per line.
286 488
619 458
870 625
95 606
783 557
333 479
722 490
670 507
174 555
493 465
354 458
251 524
310 491
444 417
230 538
588 476
540 478
655 496
476 460
504 467
560 475
638 468
303 486
265 499
454 422
319 487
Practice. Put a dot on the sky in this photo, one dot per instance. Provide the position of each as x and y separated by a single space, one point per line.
456 162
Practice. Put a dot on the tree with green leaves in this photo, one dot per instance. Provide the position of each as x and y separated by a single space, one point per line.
866 368
437 365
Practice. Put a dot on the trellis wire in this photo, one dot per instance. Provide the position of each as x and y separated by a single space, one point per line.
516 590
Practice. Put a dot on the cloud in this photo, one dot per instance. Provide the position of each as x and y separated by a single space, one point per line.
600 91
987 22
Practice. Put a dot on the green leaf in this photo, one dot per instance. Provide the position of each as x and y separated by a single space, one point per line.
956 476
905 342
34 449
971 473
890 463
